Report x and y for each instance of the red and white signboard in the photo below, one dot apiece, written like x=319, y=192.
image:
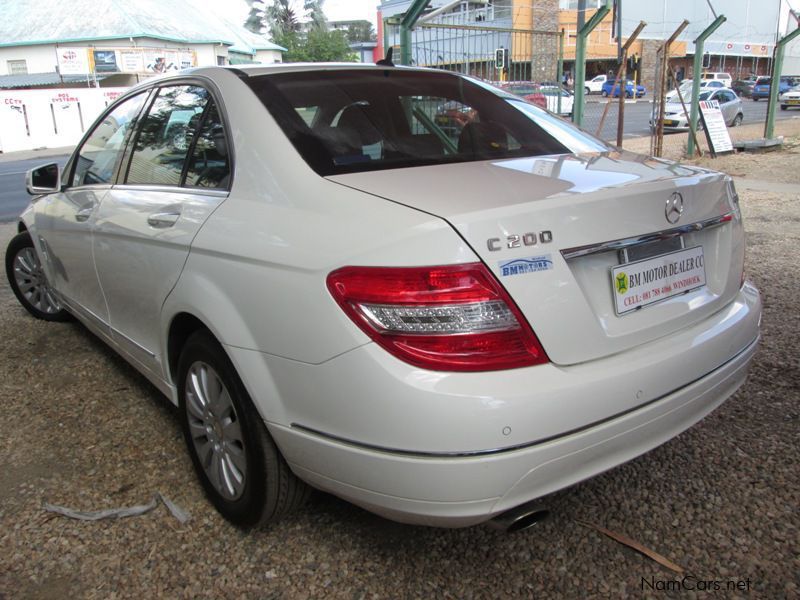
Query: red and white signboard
x=73, y=61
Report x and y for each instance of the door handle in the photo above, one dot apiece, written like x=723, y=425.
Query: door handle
x=84, y=213
x=162, y=220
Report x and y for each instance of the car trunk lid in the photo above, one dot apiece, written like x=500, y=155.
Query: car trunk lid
x=569, y=217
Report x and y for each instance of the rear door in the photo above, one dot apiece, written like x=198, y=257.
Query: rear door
x=728, y=104
x=176, y=175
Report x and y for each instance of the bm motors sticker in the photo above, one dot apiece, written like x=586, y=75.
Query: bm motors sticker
x=522, y=266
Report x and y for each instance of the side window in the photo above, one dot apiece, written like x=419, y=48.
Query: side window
x=97, y=158
x=209, y=163
x=165, y=135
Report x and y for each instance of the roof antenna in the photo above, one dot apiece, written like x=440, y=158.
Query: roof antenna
x=387, y=61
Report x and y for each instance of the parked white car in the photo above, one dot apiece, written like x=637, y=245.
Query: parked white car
x=441, y=324
x=790, y=99
x=595, y=84
x=724, y=78
x=686, y=90
x=552, y=93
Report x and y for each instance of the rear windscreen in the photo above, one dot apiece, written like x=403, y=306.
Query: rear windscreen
x=346, y=121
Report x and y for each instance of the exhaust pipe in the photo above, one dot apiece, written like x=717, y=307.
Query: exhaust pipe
x=520, y=517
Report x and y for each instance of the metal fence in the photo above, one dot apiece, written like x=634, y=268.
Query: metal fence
x=526, y=55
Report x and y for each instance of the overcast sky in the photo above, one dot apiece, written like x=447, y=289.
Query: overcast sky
x=335, y=10
x=344, y=10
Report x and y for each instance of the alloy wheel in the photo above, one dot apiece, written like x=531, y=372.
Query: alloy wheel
x=32, y=283
x=215, y=430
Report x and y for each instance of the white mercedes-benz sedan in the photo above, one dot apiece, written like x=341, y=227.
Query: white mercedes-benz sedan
x=401, y=286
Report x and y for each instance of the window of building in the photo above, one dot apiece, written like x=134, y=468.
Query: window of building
x=221, y=61
x=17, y=67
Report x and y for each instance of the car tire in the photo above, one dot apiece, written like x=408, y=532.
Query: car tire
x=737, y=120
x=755, y=98
x=604, y=94
x=239, y=466
x=784, y=106
x=587, y=91
x=28, y=281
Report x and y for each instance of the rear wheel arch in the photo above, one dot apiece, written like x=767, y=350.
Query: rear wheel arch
x=21, y=227
x=181, y=328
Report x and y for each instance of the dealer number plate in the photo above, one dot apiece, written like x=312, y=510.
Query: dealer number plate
x=793, y=102
x=644, y=282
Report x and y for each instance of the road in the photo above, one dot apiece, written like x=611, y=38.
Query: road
x=13, y=197
x=637, y=116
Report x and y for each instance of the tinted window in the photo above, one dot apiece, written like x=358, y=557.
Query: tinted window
x=209, y=164
x=389, y=118
x=165, y=136
x=98, y=157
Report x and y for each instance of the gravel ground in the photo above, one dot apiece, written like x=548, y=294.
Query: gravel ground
x=82, y=429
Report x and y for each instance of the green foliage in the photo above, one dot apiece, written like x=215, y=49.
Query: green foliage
x=281, y=18
x=255, y=18
x=361, y=31
x=318, y=45
x=314, y=11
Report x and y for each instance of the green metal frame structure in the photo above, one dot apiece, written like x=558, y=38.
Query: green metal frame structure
x=775, y=84
x=580, y=60
x=409, y=19
x=697, y=70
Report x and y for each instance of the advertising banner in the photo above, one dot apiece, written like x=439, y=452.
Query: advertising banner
x=131, y=61
x=719, y=140
x=105, y=61
x=73, y=61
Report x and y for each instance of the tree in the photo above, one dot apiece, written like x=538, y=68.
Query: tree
x=314, y=11
x=281, y=18
x=361, y=31
x=318, y=45
x=255, y=18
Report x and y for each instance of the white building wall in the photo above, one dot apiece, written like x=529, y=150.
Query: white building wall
x=39, y=59
x=50, y=118
x=269, y=56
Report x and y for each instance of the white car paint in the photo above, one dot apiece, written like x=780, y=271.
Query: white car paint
x=790, y=98
x=595, y=84
x=412, y=444
x=551, y=94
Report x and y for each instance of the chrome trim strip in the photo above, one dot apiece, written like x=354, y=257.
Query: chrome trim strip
x=494, y=451
x=173, y=189
x=578, y=251
x=132, y=342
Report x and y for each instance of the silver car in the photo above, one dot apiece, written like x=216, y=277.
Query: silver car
x=676, y=119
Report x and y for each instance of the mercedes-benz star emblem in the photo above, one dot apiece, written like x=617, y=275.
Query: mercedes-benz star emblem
x=674, y=208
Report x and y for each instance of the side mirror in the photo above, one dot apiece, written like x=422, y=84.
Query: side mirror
x=43, y=180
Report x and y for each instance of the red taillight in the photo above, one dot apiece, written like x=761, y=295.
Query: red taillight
x=448, y=318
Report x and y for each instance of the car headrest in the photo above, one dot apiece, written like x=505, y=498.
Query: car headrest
x=483, y=139
x=361, y=119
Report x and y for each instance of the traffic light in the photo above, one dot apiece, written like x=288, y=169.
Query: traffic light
x=501, y=58
x=706, y=61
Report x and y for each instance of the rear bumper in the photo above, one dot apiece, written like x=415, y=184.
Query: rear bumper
x=404, y=487
x=457, y=449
